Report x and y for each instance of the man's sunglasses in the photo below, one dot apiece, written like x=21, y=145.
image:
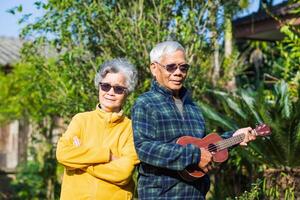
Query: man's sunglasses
x=117, y=89
x=173, y=67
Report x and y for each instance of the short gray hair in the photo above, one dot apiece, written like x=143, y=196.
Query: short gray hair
x=115, y=66
x=163, y=48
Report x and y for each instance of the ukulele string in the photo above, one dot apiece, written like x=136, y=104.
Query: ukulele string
x=225, y=143
x=212, y=149
x=232, y=141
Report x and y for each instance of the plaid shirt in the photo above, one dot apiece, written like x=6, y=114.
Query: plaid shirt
x=157, y=124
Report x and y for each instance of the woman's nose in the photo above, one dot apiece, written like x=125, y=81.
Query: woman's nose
x=111, y=91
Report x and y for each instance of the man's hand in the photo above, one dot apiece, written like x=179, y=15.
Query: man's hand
x=249, y=136
x=205, y=161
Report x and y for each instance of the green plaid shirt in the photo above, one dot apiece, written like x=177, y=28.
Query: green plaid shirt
x=157, y=124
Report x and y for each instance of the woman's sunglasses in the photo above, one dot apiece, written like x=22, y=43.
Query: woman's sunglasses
x=117, y=89
x=173, y=67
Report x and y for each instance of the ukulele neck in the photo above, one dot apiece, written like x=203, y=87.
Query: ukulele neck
x=226, y=143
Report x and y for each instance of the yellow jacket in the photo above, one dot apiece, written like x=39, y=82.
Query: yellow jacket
x=88, y=172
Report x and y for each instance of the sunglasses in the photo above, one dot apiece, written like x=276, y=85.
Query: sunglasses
x=173, y=67
x=117, y=89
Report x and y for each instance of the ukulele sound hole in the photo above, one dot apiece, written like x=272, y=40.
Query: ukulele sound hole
x=212, y=148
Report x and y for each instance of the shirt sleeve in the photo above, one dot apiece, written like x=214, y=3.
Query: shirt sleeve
x=155, y=152
x=81, y=156
x=227, y=134
x=118, y=171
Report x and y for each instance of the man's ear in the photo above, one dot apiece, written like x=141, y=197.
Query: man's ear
x=153, y=68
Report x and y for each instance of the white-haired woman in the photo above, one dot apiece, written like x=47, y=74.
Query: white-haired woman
x=97, y=149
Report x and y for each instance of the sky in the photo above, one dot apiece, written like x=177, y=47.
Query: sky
x=9, y=23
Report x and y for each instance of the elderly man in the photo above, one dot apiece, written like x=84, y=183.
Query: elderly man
x=162, y=115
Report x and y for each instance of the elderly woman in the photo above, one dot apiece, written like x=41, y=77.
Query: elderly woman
x=97, y=149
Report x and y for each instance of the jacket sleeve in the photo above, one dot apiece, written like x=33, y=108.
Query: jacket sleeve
x=118, y=171
x=152, y=150
x=73, y=156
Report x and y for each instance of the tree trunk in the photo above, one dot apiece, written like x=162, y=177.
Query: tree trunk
x=213, y=8
x=50, y=157
x=228, y=35
x=23, y=140
x=231, y=84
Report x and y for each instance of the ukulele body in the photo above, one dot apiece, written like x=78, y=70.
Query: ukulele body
x=193, y=172
x=218, y=148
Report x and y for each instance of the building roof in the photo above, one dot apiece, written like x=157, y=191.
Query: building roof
x=262, y=25
x=9, y=50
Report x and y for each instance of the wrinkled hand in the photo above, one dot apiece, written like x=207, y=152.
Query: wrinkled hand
x=205, y=162
x=249, y=135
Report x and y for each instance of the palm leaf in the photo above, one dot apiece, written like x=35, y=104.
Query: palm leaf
x=233, y=105
x=283, y=98
x=211, y=114
x=273, y=107
x=250, y=103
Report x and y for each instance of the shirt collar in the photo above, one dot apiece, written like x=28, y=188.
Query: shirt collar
x=183, y=93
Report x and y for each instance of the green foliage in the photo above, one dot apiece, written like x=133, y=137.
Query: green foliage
x=71, y=40
x=30, y=177
x=30, y=181
x=277, y=108
x=289, y=49
x=288, y=64
x=270, y=62
x=274, y=107
x=255, y=193
x=259, y=191
x=274, y=192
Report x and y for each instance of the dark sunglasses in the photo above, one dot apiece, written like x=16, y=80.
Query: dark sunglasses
x=117, y=89
x=173, y=67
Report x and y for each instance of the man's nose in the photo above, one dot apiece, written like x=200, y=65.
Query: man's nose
x=178, y=72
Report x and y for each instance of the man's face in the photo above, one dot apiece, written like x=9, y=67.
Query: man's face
x=170, y=80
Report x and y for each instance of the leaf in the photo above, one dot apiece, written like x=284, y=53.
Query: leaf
x=250, y=102
x=283, y=98
x=231, y=103
x=243, y=3
x=20, y=8
x=211, y=114
x=12, y=10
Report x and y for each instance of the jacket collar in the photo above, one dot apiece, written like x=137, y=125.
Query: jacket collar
x=110, y=117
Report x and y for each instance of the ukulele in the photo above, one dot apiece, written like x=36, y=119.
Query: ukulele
x=217, y=146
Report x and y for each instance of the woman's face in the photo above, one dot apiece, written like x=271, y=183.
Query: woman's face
x=111, y=98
